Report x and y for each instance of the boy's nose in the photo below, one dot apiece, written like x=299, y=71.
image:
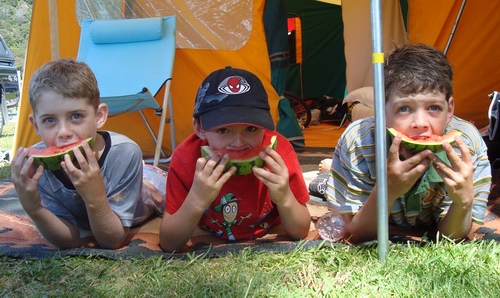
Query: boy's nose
x=238, y=140
x=64, y=131
x=420, y=120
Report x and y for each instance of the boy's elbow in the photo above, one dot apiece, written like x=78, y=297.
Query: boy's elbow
x=299, y=236
x=299, y=233
x=117, y=245
x=168, y=247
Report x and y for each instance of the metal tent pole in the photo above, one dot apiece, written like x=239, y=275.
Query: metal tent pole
x=454, y=27
x=380, y=131
x=54, y=30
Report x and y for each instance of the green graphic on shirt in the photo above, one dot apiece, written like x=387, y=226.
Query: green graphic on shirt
x=228, y=205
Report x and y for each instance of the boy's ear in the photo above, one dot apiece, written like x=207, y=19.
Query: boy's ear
x=32, y=119
x=101, y=115
x=451, y=108
x=198, y=130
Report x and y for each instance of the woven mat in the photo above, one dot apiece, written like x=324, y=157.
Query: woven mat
x=19, y=237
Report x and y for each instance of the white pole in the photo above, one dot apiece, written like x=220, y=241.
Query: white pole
x=380, y=131
x=54, y=30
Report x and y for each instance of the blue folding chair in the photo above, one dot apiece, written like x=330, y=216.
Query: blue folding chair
x=132, y=60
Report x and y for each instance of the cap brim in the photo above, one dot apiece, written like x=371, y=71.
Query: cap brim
x=236, y=115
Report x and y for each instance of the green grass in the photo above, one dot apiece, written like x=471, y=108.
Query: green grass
x=6, y=140
x=441, y=269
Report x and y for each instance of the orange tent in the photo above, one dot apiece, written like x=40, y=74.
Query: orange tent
x=467, y=32
x=191, y=65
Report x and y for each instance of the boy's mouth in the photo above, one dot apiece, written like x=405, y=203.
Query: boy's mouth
x=243, y=148
x=420, y=138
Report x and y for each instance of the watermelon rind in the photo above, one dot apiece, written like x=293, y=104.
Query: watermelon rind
x=420, y=145
x=243, y=167
x=53, y=162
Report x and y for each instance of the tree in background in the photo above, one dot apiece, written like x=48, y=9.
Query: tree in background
x=15, y=18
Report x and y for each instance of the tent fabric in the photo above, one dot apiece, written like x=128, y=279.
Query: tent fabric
x=275, y=24
x=323, y=63
x=191, y=66
x=358, y=39
x=473, y=52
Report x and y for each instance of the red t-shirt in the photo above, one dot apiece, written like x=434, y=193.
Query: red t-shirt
x=243, y=209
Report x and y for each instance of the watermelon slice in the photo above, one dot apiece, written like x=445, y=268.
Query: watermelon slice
x=50, y=158
x=420, y=143
x=243, y=160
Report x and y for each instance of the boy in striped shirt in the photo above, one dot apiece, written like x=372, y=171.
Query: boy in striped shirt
x=444, y=191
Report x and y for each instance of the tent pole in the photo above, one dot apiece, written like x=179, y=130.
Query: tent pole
x=54, y=30
x=380, y=131
x=454, y=27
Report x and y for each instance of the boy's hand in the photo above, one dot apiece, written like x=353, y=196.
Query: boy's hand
x=209, y=177
x=402, y=174
x=274, y=175
x=458, y=176
x=86, y=178
x=25, y=177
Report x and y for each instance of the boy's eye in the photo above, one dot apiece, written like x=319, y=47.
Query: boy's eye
x=434, y=108
x=404, y=109
x=76, y=116
x=251, y=128
x=222, y=130
x=49, y=120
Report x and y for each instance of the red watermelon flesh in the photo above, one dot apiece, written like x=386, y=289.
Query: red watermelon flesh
x=420, y=143
x=51, y=157
x=243, y=160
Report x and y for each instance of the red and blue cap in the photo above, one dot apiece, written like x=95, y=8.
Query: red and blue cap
x=232, y=96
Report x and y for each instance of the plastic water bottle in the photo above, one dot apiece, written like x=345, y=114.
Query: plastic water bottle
x=331, y=226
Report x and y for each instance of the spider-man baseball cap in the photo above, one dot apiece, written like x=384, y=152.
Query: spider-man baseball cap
x=232, y=96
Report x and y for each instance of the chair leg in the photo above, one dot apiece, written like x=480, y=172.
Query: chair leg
x=344, y=119
x=172, y=133
x=150, y=130
x=163, y=118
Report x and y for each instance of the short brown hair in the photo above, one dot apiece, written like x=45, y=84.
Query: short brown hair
x=417, y=68
x=67, y=77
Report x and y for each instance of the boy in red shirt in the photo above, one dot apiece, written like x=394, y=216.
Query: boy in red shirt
x=232, y=114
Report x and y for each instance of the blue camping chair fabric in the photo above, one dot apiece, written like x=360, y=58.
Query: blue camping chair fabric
x=132, y=60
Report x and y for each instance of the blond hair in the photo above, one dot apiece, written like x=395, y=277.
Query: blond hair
x=66, y=77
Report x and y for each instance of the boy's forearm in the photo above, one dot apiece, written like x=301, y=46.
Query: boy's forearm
x=456, y=224
x=295, y=217
x=176, y=229
x=363, y=225
x=55, y=230
x=106, y=226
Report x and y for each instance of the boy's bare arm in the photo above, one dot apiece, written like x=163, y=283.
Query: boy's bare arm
x=57, y=231
x=25, y=178
x=106, y=226
x=177, y=228
x=458, y=179
x=295, y=217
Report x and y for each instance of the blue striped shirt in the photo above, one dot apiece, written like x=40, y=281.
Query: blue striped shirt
x=353, y=176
